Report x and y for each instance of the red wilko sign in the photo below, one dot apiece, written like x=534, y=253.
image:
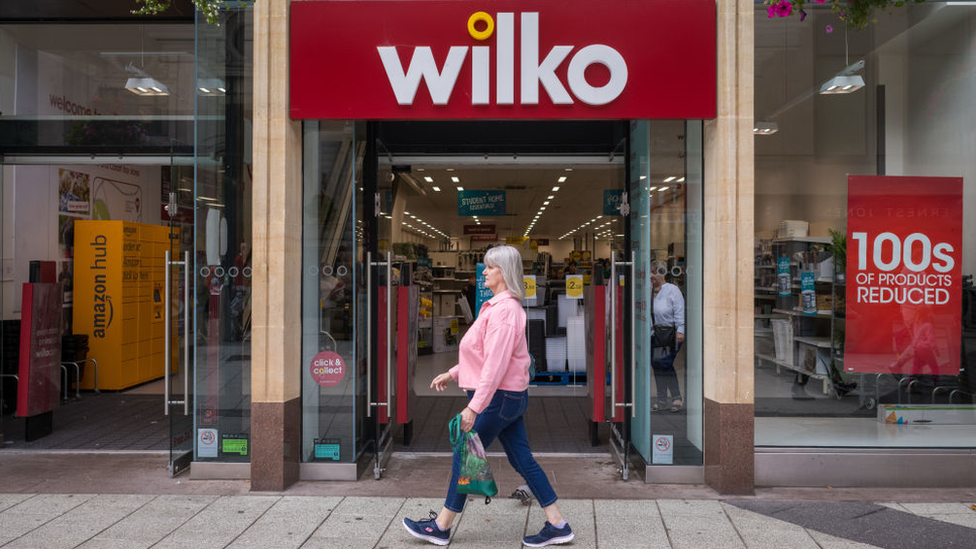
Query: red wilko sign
x=613, y=59
x=904, y=275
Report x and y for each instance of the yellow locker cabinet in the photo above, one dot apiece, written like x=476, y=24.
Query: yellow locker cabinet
x=119, y=300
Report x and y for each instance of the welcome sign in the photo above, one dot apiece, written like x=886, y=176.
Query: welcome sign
x=481, y=203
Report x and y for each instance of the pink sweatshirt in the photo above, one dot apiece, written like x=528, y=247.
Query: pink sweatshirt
x=493, y=354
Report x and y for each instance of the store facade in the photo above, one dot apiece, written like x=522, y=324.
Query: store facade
x=298, y=192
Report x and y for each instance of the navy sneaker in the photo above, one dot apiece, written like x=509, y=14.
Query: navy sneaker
x=428, y=530
x=550, y=535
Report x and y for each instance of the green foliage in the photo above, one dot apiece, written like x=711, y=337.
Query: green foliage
x=209, y=8
x=855, y=13
x=838, y=247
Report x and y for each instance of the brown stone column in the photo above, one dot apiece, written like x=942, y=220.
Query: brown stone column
x=729, y=428
x=276, y=259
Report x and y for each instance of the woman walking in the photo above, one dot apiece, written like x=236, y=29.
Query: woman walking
x=493, y=368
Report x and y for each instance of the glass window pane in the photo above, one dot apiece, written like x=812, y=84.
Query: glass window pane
x=843, y=359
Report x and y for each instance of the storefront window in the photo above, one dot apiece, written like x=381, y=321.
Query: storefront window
x=331, y=295
x=864, y=327
x=222, y=261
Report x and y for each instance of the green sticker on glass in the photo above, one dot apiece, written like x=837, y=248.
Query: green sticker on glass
x=234, y=444
x=327, y=448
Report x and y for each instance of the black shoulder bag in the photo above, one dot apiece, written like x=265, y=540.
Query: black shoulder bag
x=662, y=336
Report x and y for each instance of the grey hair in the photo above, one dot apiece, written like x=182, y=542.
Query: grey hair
x=509, y=260
x=658, y=265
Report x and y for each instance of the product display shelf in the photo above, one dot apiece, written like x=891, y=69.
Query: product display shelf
x=807, y=338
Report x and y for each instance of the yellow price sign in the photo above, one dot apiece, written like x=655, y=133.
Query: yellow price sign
x=574, y=286
x=454, y=327
x=529, y=283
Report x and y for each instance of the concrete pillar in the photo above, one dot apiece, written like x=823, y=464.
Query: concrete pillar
x=276, y=259
x=728, y=259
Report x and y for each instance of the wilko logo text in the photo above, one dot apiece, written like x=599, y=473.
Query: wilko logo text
x=482, y=28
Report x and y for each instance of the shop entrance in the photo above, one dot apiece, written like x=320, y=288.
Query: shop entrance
x=123, y=300
x=434, y=197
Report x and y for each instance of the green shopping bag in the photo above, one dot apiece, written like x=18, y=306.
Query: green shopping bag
x=475, y=474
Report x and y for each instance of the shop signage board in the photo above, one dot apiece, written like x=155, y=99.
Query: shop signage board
x=481, y=203
x=904, y=275
x=574, y=286
x=503, y=59
x=529, y=283
x=207, y=443
x=482, y=293
x=327, y=369
x=39, y=368
x=484, y=238
x=479, y=229
x=611, y=201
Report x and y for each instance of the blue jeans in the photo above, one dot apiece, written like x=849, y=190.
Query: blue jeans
x=665, y=376
x=502, y=419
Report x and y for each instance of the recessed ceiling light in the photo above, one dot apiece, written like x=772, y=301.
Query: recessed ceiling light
x=460, y=188
x=406, y=213
x=555, y=189
x=643, y=177
x=551, y=197
x=420, y=169
x=670, y=178
x=569, y=169
x=546, y=203
x=680, y=179
x=428, y=179
x=662, y=189
x=436, y=189
x=455, y=179
x=542, y=208
x=413, y=217
x=562, y=179
x=651, y=189
x=450, y=169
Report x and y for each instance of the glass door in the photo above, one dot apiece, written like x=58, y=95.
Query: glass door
x=381, y=278
x=638, y=183
x=178, y=367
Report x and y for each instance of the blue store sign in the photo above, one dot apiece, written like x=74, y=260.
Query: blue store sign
x=611, y=201
x=481, y=203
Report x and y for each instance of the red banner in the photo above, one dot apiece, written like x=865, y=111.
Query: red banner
x=40, y=349
x=479, y=229
x=484, y=238
x=904, y=275
x=503, y=59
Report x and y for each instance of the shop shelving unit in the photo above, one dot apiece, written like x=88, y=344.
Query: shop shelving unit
x=810, y=339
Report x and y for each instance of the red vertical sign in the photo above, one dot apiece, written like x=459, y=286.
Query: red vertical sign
x=40, y=349
x=904, y=275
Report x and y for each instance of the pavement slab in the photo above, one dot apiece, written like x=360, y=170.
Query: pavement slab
x=867, y=523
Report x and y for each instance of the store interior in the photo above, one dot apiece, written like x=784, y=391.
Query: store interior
x=554, y=214
x=909, y=119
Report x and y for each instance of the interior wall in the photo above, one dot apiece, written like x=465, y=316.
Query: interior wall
x=37, y=220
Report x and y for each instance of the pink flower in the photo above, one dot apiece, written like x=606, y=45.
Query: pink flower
x=784, y=8
x=829, y=28
x=771, y=10
x=820, y=1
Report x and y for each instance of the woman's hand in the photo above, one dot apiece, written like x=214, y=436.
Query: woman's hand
x=680, y=338
x=467, y=419
x=440, y=382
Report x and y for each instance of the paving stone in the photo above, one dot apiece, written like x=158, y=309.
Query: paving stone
x=762, y=532
x=49, y=504
x=288, y=523
x=931, y=509
x=499, y=522
x=9, y=500
x=219, y=523
x=826, y=541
